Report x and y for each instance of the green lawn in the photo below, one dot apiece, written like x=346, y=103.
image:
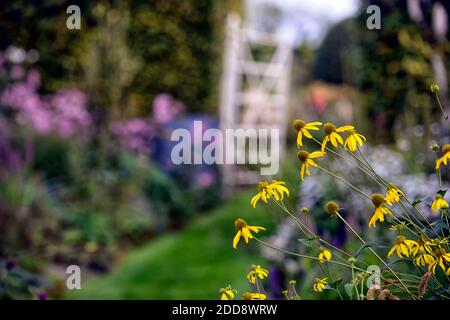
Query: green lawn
x=191, y=264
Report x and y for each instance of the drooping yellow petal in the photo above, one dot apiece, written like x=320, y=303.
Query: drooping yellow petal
x=316, y=154
x=345, y=128
x=236, y=239
x=299, y=139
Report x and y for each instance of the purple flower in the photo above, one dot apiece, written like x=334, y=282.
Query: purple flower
x=17, y=72
x=166, y=108
x=206, y=179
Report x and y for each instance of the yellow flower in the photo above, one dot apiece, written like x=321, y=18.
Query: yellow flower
x=440, y=256
x=303, y=128
x=227, y=293
x=353, y=139
x=320, y=284
x=244, y=230
x=439, y=203
x=306, y=160
x=257, y=271
x=267, y=190
x=445, y=156
x=424, y=259
x=402, y=247
x=254, y=296
x=380, y=209
x=332, y=134
x=423, y=245
x=393, y=195
x=324, y=255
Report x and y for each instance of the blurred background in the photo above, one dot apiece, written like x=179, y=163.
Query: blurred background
x=86, y=116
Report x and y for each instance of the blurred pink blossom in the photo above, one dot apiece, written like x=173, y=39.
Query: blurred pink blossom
x=166, y=108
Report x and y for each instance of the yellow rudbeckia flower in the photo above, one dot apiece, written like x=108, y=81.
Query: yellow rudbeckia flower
x=353, y=140
x=380, y=209
x=423, y=245
x=306, y=160
x=393, y=195
x=440, y=256
x=324, y=255
x=445, y=156
x=424, y=259
x=244, y=230
x=332, y=134
x=303, y=128
x=257, y=271
x=254, y=296
x=439, y=203
x=267, y=190
x=402, y=247
x=320, y=284
x=227, y=293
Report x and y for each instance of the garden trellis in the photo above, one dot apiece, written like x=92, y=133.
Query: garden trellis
x=254, y=91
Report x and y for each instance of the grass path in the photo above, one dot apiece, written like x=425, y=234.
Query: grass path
x=191, y=264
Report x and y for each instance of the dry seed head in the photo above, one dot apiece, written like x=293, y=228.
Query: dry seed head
x=332, y=207
x=423, y=283
x=377, y=199
x=303, y=155
x=445, y=148
x=239, y=224
x=299, y=124
x=329, y=127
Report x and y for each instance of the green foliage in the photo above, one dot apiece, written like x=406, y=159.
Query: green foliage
x=192, y=264
x=395, y=70
x=126, y=52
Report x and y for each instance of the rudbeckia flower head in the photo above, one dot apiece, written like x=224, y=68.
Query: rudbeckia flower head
x=439, y=203
x=324, y=255
x=266, y=190
x=380, y=209
x=227, y=293
x=440, y=258
x=244, y=230
x=402, y=247
x=445, y=156
x=320, y=284
x=332, y=134
x=256, y=271
x=393, y=195
x=306, y=159
x=303, y=130
x=353, y=140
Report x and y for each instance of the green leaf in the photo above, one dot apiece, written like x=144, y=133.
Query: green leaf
x=348, y=290
x=336, y=283
x=366, y=245
x=442, y=192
